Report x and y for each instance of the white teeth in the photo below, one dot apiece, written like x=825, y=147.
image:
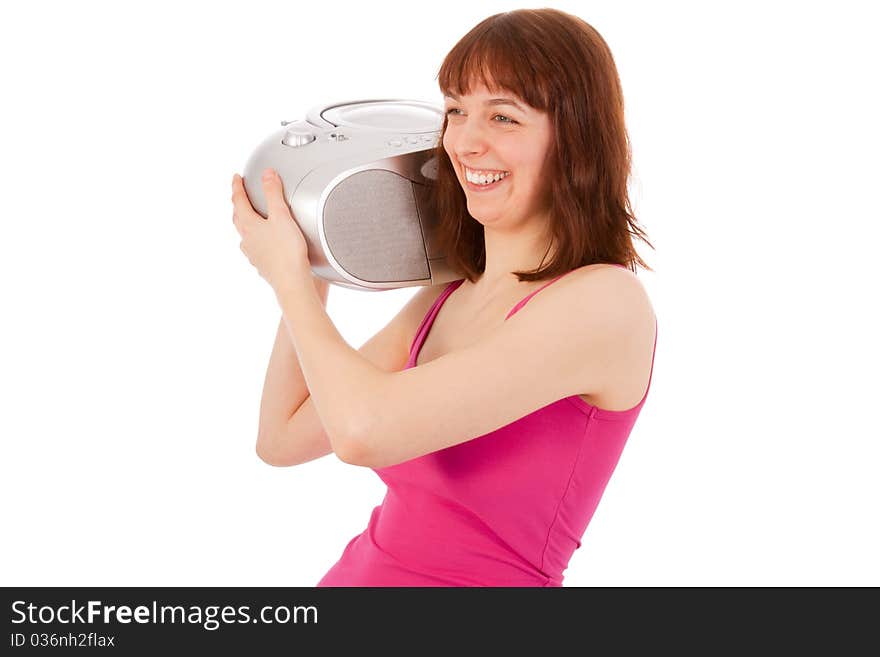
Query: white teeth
x=483, y=178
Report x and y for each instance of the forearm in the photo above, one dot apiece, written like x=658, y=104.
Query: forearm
x=284, y=388
x=342, y=383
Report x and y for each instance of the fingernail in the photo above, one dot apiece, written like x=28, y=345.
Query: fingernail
x=268, y=174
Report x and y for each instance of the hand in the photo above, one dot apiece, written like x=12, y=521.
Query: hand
x=274, y=245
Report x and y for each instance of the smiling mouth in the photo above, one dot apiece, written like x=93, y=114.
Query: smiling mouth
x=484, y=187
x=479, y=183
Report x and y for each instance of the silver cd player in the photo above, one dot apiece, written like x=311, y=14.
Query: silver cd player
x=355, y=176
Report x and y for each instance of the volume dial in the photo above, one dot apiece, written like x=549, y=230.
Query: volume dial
x=298, y=137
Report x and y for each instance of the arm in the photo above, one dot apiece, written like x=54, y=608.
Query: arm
x=341, y=382
x=571, y=339
x=285, y=392
x=277, y=248
x=302, y=437
x=587, y=330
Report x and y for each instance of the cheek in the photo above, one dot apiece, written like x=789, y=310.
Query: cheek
x=447, y=144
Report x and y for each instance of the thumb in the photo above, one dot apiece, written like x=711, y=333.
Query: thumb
x=274, y=191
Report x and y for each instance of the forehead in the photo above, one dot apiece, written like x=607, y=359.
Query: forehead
x=481, y=95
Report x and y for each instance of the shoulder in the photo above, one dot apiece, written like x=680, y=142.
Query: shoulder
x=605, y=285
x=601, y=299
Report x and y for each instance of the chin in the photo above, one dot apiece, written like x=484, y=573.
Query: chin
x=485, y=217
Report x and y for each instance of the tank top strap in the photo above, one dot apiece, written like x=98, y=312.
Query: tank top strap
x=531, y=294
x=550, y=282
x=428, y=319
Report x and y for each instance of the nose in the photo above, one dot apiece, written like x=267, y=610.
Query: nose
x=468, y=139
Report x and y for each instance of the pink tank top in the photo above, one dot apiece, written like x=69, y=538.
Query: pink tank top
x=508, y=508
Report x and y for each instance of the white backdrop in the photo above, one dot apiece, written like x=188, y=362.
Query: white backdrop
x=136, y=334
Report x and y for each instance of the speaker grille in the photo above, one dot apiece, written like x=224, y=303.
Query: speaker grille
x=371, y=224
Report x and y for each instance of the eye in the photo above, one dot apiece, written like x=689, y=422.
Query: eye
x=507, y=118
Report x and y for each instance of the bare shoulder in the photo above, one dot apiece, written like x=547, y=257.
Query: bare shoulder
x=603, y=294
x=608, y=326
x=611, y=283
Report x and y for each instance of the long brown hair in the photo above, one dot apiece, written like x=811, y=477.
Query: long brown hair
x=559, y=64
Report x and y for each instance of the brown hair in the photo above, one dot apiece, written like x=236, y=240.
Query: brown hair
x=559, y=64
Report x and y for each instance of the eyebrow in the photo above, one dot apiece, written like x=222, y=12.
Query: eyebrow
x=495, y=101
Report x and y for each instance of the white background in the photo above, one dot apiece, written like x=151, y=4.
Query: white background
x=135, y=333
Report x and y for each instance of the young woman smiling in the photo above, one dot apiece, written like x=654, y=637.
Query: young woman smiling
x=494, y=408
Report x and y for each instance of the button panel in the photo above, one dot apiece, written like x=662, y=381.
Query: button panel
x=397, y=142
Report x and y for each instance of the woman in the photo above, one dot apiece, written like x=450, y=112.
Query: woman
x=495, y=438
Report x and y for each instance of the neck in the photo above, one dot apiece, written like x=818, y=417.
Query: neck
x=506, y=253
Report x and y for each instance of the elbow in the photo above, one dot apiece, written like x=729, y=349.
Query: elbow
x=270, y=455
x=354, y=449
x=353, y=452
x=260, y=449
x=267, y=457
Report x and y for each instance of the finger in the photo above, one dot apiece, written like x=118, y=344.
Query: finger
x=242, y=207
x=274, y=190
x=244, y=250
